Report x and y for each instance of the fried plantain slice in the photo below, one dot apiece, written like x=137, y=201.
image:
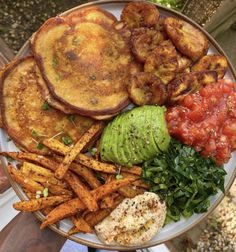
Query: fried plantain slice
x=92, y=14
x=163, y=62
x=189, y=83
x=189, y=40
x=86, y=66
x=140, y=14
x=146, y=88
x=144, y=41
x=217, y=63
x=26, y=118
x=183, y=62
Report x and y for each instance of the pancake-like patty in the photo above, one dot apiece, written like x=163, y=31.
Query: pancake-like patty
x=85, y=65
x=92, y=14
x=26, y=118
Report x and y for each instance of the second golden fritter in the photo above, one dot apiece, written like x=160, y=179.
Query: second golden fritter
x=146, y=88
x=144, y=41
x=140, y=14
x=217, y=63
x=190, y=41
x=163, y=62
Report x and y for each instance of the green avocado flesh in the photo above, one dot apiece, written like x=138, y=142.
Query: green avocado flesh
x=135, y=136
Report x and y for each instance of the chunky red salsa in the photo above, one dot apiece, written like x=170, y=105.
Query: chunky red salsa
x=206, y=120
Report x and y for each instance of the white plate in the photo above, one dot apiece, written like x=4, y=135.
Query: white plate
x=172, y=230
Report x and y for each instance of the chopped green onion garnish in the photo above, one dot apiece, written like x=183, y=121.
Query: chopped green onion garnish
x=67, y=140
x=45, y=106
x=40, y=146
x=119, y=176
x=45, y=192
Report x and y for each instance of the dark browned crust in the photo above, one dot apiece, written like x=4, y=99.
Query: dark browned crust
x=148, y=14
x=173, y=27
x=39, y=60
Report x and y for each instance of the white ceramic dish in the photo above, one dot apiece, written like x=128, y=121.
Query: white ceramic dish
x=172, y=230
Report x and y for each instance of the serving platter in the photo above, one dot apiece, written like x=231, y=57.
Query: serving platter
x=172, y=230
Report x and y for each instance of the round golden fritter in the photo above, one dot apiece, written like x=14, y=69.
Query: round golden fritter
x=140, y=14
x=144, y=41
x=217, y=63
x=163, y=62
x=147, y=89
x=26, y=117
x=190, y=41
x=86, y=66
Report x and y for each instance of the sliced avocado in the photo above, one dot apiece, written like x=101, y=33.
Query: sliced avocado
x=135, y=136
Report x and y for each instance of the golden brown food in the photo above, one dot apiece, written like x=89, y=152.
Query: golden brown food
x=25, y=182
x=38, y=204
x=217, y=63
x=144, y=41
x=188, y=83
x=85, y=65
x=183, y=62
x=86, y=138
x=188, y=40
x=72, y=207
x=81, y=225
x=26, y=117
x=146, y=88
x=139, y=14
x=81, y=191
x=91, y=14
x=163, y=62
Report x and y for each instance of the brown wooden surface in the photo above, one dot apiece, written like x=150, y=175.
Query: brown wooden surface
x=23, y=235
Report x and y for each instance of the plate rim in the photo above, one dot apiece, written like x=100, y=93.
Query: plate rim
x=22, y=52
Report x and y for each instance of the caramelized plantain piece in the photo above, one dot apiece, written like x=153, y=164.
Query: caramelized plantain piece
x=144, y=41
x=140, y=14
x=163, y=62
x=217, y=63
x=188, y=40
x=189, y=83
x=183, y=62
x=146, y=88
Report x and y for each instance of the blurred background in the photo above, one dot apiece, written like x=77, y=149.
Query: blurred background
x=19, y=19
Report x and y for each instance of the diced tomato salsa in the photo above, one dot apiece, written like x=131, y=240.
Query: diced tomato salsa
x=206, y=120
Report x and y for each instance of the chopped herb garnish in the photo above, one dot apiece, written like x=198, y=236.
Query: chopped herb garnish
x=54, y=62
x=40, y=146
x=45, y=106
x=100, y=177
x=9, y=159
x=45, y=192
x=71, y=118
x=67, y=140
x=92, y=151
x=8, y=139
x=34, y=133
x=92, y=77
x=119, y=176
x=183, y=179
x=75, y=41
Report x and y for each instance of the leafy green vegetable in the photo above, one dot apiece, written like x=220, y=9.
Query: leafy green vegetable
x=40, y=146
x=34, y=133
x=183, y=179
x=67, y=140
x=45, y=106
x=173, y=4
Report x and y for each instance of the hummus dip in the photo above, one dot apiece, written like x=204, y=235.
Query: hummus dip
x=134, y=222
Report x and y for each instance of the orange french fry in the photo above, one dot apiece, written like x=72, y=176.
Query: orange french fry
x=77, y=148
x=75, y=205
